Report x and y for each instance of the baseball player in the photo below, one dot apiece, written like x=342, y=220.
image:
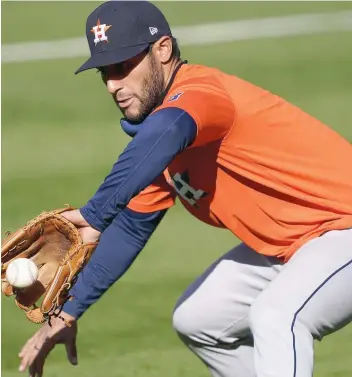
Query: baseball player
x=237, y=157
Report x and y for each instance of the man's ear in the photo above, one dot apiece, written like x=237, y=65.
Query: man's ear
x=163, y=49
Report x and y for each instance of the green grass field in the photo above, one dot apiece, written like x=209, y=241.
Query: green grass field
x=61, y=134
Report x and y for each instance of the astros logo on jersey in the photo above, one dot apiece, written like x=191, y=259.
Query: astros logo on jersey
x=99, y=31
x=181, y=183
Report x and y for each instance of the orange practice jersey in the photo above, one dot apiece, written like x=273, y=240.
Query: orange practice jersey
x=259, y=166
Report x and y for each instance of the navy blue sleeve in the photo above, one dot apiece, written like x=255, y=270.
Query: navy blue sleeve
x=160, y=138
x=118, y=247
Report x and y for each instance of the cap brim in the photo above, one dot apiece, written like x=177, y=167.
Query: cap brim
x=106, y=58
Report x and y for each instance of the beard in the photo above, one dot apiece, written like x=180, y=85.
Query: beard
x=152, y=92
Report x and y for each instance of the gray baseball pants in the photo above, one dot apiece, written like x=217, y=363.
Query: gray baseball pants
x=249, y=315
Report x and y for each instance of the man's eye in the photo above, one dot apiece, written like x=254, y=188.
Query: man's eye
x=120, y=69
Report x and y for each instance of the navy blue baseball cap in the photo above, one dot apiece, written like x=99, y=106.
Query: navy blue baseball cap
x=119, y=30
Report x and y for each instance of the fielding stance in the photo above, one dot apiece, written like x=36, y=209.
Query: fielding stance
x=237, y=157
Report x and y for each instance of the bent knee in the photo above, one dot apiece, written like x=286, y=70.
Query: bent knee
x=195, y=325
x=210, y=324
x=185, y=321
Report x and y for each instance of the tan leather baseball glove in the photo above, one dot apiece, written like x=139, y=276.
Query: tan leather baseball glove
x=55, y=245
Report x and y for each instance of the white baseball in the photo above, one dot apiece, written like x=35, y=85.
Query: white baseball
x=21, y=273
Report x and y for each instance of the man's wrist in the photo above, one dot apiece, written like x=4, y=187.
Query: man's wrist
x=68, y=317
x=62, y=320
x=72, y=309
x=91, y=219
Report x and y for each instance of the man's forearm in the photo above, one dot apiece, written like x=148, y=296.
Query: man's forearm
x=118, y=247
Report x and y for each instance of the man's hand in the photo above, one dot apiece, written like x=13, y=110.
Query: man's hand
x=88, y=233
x=37, y=348
x=75, y=217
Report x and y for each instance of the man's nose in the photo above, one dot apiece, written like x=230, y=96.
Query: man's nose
x=114, y=85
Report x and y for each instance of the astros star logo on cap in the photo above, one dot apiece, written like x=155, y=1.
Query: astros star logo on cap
x=99, y=31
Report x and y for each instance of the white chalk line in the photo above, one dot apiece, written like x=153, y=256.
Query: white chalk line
x=204, y=34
